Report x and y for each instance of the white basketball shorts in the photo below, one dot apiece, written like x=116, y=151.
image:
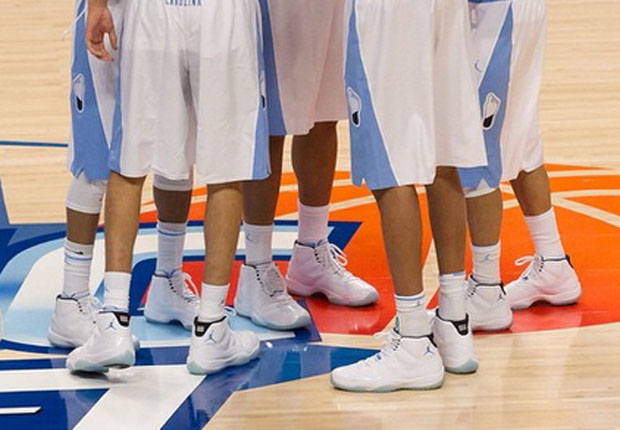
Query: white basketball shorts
x=192, y=92
x=411, y=92
x=304, y=63
x=92, y=99
x=509, y=39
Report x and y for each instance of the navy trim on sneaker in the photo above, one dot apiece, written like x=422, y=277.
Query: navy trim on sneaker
x=200, y=327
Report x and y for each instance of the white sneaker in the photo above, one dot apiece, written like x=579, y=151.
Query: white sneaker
x=455, y=344
x=73, y=321
x=404, y=363
x=172, y=299
x=551, y=280
x=320, y=268
x=215, y=347
x=262, y=296
x=109, y=346
x=487, y=306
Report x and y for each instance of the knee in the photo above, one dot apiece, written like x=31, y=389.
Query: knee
x=86, y=196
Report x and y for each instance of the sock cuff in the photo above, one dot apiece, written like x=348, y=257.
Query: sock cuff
x=450, y=277
x=171, y=227
x=257, y=228
x=404, y=303
x=117, y=276
x=312, y=210
x=487, y=249
x=205, y=285
x=79, y=248
x=542, y=217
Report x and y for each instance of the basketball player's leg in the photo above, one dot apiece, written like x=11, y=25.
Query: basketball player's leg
x=459, y=143
x=390, y=167
x=172, y=295
x=73, y=316
x=448, y=221
x=214, y=345
x=314, y=162
x=550, y=276
x=262, y=292
x=409, y=359
x=260, y=198
x=487, y=304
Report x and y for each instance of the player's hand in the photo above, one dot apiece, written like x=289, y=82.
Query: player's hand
x=98, y=24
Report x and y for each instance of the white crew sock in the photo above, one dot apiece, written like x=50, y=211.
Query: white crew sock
x=486, y=264
x=78, y=260
x=170, y=246
x=212, y=302
x=544, y=231
x=116, y=296
x=452, y=296
x=312, y=223
x=412, y=318
x=257, y=243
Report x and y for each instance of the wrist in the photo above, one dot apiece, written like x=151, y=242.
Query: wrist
x=97, y=4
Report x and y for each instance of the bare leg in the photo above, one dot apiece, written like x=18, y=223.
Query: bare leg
x=533, y=192
x=222, y=221
x=172, y=206
x=402, y=234
x=448, y=220
x=81, y=227
x=484, y=214
x=260, y=198
x=314, y=161
x=122, y=212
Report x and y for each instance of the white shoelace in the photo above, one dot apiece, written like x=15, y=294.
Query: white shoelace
x=337, y=261
x=388, y=348
x=535, y=265
x=89, y=305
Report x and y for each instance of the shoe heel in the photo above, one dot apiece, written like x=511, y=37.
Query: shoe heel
x=471, y=366
x=567, y=298
x=60, y=341
x=154, y=316
x=123, y=361
x=241, y=308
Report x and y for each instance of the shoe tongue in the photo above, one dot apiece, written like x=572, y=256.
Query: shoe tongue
x=273, y=280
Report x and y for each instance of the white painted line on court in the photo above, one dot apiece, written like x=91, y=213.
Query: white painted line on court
x=20, y=411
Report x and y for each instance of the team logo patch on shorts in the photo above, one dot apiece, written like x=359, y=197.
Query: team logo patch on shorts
x=79, y=92
x=263, y=90
x=492, y=105
x=355, y=107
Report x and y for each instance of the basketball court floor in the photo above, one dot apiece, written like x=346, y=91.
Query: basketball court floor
x=558, y=368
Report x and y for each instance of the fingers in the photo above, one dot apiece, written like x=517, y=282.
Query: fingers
x=113, y=39
x=97, y=48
